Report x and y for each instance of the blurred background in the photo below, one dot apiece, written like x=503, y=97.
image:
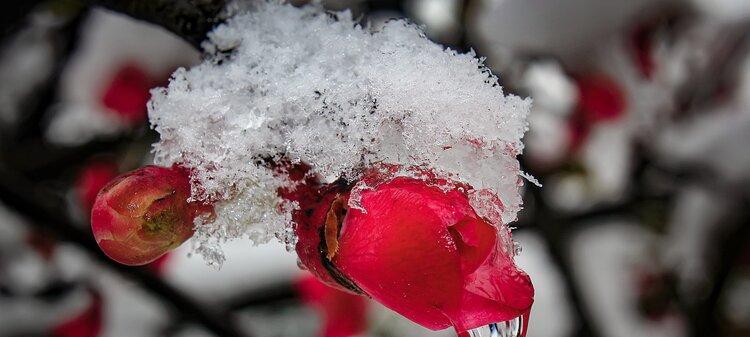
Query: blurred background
x=640, y=134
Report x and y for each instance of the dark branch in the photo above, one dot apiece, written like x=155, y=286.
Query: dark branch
x=35, y=107
x=553, y=232
x=188, y=19
x=734, y=242
x=280, y=292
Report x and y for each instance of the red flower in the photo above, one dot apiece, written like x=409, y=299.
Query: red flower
x=344, y=314
x=127, y=94
x=653, y=293
x=642, y=48
x=86, y=324
x=42, y=243
x=159, y=266
x=600, y=99
x=418, y=247
x=91, y=179
x=143, y=214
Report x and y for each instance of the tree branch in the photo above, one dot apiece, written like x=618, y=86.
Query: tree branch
x=13, y=14
x=188, y=19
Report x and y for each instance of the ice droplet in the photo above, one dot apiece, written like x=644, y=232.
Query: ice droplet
x=517, y=248
x=509, y=328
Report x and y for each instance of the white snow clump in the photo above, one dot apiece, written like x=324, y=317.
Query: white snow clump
x=317, y=87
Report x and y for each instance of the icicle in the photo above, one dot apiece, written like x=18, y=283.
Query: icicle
x=509, y=328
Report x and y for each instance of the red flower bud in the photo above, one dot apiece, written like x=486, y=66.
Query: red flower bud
x=86, y=324
x=161, y=264
x=128, y=94
x=418, y=247
x=91, y=179
x=344, y=314
x=42, y=243
x=642, y=48
x=143, y=214
x=600, y=99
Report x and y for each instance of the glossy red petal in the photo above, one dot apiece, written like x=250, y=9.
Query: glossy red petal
x=419, y=249
x=401, y=252
x=475, y=239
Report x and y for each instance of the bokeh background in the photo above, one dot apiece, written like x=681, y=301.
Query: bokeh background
x=640, y=136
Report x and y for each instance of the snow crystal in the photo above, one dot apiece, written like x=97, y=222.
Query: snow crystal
x=316, y=87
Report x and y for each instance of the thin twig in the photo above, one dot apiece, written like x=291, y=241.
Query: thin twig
x=554, y=233
x=279, y=292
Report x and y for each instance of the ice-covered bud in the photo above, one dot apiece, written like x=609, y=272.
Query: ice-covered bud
x=418, y=246
x=145, y=213
x=355, y=98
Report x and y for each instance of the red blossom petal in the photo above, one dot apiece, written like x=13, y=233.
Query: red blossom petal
x=474, y=239
x=43, y=243
x=159, y=266
x=642, y=44
x=127, y=94
x=344, y=314
x=433, y=248
x=86, y=324
x=401, y=253
x=600, y=98
x=92, y=178
x=421, y=251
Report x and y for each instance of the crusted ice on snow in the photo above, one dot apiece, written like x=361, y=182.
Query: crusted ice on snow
x=315, y=86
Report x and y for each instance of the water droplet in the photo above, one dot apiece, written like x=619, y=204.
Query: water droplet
x=301, y=265
x=517, y=249
x=509, y=328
